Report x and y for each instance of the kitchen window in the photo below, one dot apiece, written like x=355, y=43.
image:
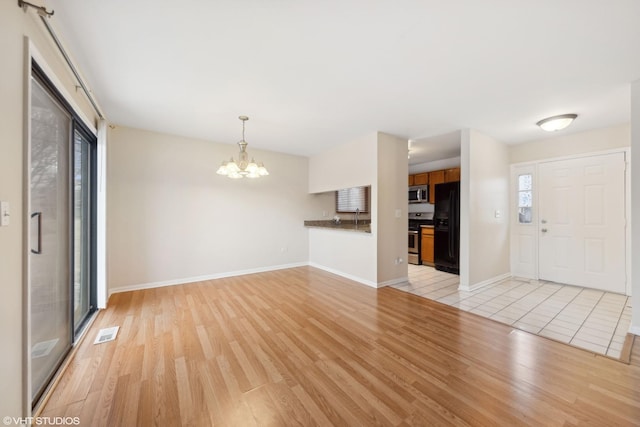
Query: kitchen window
x=525, y=198
x=350, y=200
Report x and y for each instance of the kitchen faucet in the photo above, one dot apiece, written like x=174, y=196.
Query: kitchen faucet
x=357, y=215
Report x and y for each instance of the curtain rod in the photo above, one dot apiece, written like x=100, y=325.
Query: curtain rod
x=44, y=15
x=71, y=66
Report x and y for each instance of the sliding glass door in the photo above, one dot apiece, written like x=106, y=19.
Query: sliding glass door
x=51, y=336
x=61, y=279
x=82, y=224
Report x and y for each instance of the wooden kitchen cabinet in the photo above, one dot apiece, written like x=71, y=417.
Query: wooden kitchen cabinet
x=435, y=177
x=421, y=179
x=427, y=245
x=452, y=175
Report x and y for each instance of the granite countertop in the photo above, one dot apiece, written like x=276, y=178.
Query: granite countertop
x=364, y=225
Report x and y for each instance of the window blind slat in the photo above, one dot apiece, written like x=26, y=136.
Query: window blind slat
x=348, y=200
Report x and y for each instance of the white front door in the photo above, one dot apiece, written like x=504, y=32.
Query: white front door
x=582, y=222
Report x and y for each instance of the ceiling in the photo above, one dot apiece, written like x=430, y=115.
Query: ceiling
x=311, y=75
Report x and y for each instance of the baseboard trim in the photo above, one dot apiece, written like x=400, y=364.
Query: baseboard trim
x=635, y=330
x=174, y=282
x=345, y=275
x=393, y=282
x=182, y=281
x=479, y=285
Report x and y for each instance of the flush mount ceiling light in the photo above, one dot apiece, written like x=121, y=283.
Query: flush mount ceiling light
x=244, y=167
x=552, y=124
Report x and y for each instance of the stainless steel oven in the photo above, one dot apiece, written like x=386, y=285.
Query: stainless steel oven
x=414, y=247
x=416, y=221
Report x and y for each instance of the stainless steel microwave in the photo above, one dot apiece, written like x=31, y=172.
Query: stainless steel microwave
x=419, y=194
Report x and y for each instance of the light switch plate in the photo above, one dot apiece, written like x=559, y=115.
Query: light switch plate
x=398, y=213
x=5, y=213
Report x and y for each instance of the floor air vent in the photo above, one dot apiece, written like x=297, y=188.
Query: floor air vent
x=107, y=334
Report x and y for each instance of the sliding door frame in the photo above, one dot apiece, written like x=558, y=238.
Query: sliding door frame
x=34, y=60
x=92, y=230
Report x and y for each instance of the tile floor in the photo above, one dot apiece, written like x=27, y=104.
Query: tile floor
x=585, y=318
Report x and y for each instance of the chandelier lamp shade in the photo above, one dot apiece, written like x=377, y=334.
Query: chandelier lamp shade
x=244, y=167
x=552, y=124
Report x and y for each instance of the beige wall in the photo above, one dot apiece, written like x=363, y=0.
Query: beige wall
x=635, y=206
x=14, y=26
x=349, y=254
x=392, y=199
x=171, y=218
x=570, y=145
x=484, y=239
x=378, y=160
x=352, y=164
x=452, y=162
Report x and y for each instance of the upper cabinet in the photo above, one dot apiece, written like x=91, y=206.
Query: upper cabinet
x=452, y=175
x=433, y=178
x=421, y=179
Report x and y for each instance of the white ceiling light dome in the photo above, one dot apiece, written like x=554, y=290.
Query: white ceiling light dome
x=555, y=123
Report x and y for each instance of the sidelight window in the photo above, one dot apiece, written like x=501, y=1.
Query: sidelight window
x=525, y=198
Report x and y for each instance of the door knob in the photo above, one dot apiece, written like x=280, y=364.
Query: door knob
x=544, y=230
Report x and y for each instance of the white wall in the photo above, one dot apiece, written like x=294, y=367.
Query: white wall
x=378, y=160
x=352, y=164
x=349, y=254
x=484, y=239
x=324, y=206
x=172, y=219
x=570, y=145
x=12, y=27
x=635, y=207
x=346, y=253
x=453, y=162
x=15, y=25
x=392, y=198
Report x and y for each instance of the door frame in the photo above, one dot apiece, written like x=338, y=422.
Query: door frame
x=533, y=167
x=33, y=55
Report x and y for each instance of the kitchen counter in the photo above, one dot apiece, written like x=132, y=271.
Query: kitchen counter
x=364, y=226
x=426, y=226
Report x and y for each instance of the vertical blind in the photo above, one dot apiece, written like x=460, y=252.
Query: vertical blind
x=348, y=200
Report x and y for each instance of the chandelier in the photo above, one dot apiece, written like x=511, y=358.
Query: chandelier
x=244, y=167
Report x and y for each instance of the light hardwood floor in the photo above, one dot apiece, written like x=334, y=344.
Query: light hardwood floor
x=305, y=347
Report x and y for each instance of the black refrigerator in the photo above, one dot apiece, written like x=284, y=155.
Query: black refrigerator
x=446, y=245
